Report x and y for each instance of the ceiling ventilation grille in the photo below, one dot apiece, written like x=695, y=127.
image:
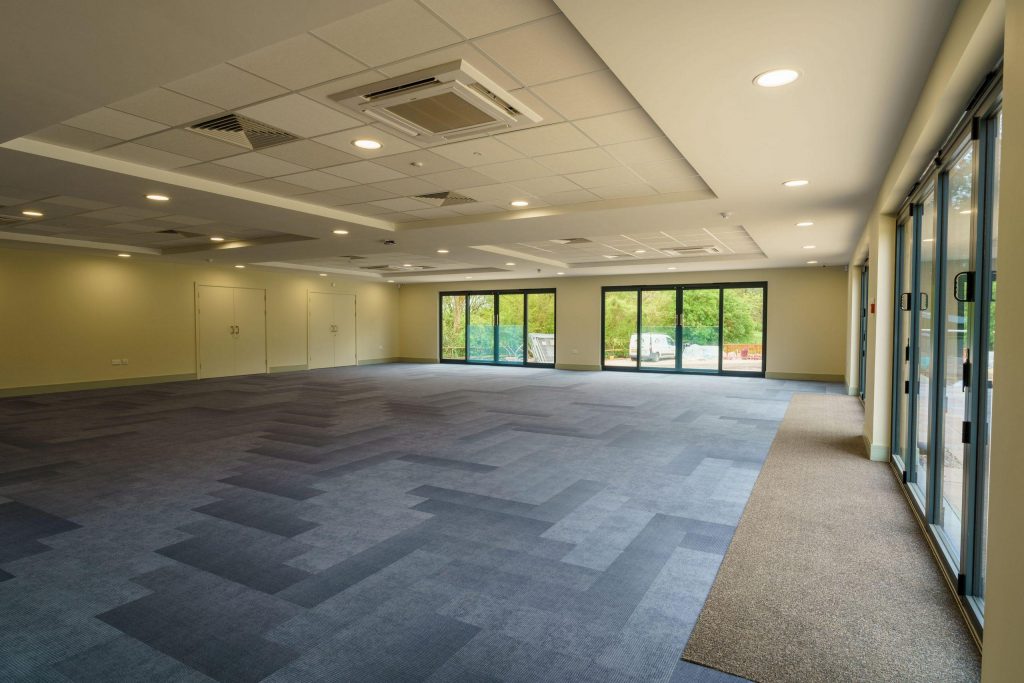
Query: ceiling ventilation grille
x=242, y=131
x=572, y=240
x=180, y=233
x=11, y=220
x=692, y=251
x=445, y=198
x=448, y=102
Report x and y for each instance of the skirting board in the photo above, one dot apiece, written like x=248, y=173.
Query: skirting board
x=97, y=384
x=875, y=451
x=804, y=377
x=287, y=368
x=583, y=368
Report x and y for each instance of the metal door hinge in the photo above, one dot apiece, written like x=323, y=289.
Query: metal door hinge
x=906, y=386
x=961, y=584
x=965, y=437
x=905, y=476
x=975, y=128
x=967, y=374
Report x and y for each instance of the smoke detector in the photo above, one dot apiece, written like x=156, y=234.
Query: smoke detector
x=447, y=102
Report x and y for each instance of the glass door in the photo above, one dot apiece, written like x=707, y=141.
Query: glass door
x=701, y=345
x=743, y=329
x=903, y=332
x=481, y=328
x=921, y=442
x=656, y=345
x=620, y=325
x=511, y=338
x=453, y=327
x=540, y=327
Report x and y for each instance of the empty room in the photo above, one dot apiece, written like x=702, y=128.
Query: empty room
x=511, y=340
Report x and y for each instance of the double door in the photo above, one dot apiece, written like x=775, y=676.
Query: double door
x=332, y=330
x=232, y=331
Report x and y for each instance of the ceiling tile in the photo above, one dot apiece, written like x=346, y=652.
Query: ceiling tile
x=184, y=220
x=191, y=144
x=500, y=194
x=692, y=184
x=570, y=197
x=669, y=170
x=421, y=162
x=408, y=186
x=557, y=137
x=300, y=115
x=226, y=86
x=623, y=191
x=433, y=213
x=453, y=53
x=364, y=172
x=220, y=174
x=487, y=16
x=577, y=162
x=517, y=169
x=75, y=138
x=274, y=186
x=477, y=152
x=542, y=51
x=167, y=107
x=299, y=62
x=462, y=177
x=389, y=32
x=539, y=106
x=546, y=186
x=640, y=151
x=592, y=94
x=77, y=202
x=367, y=209
x=316, y=180
x=398, y=218
x=360, y=194
x=260, y=164
x=308, y=153
x=619, y=175
x=146, y=156
x=115, y=123
x=476, y=209
x=392, y=144
x=623, y=126
x=400, y=204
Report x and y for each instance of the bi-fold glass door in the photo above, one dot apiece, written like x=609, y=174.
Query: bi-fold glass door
x=514, y=327
x=714, y=329
x=944, y=347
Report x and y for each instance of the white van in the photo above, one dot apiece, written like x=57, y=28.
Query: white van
x=653, y=347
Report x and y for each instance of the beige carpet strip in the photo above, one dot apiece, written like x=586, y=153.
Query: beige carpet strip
x=828, y=577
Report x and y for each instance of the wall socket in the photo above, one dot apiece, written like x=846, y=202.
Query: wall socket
x=119, y=361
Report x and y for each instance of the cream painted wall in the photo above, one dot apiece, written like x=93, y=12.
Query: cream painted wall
x=65, y=316
x=806, y=315
x=1003, y=658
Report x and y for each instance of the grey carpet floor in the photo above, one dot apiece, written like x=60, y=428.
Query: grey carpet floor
x=391, y=523
x=828, y=577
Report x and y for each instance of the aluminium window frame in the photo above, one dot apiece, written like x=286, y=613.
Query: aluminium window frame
x=496, y=296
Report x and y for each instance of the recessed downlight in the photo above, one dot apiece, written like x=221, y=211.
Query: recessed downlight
x=32, y=214
x=323, y=274
x=811, y=263
x=158, y=197
x=407, y=265
x=796, y=183
x=776, y=77
x=442, y=251
x=367, y=143
x=805, y=224
x=611, y=256
x=510, y=263
x=519, y=203
x=809, y=246
x=216, y=239
x=671, y=267
x=639, y=251
x=469, y=277
x=124, y=255
x=340, y=232
x=239, y=266
x=391, y=282
x=559, y=273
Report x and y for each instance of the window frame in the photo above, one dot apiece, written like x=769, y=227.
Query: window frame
x=496, y=296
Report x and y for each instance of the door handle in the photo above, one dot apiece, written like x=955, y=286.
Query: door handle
x=231, y=329
x=238, y=329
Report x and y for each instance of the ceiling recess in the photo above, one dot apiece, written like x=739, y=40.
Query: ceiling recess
x=242, y=131
x=445, y=198
x=448, y=102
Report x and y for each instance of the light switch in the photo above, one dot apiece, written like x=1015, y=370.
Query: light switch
x=115, y=361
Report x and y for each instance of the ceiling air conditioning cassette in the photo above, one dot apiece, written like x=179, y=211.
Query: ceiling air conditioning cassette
x=692, y=251
x=448, y=102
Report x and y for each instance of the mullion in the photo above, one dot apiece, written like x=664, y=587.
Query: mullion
x=938, y=362
x=679, y=328
x=721, y=328
x=910, y=447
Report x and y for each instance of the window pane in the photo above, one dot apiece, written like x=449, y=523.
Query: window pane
x=700, y=329
x=510, y=328
x=540, y=327
x=742, y=328
x=956, y=348
x=619, y=326
x=481, y=327
x=926, y=275
x=656, y=346
x=453, y=327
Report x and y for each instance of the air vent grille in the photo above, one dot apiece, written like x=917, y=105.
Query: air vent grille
x=445, y=198
x=180, y=233
x=242, y=131
x=404, y=87
x=692, y=251
x=572, y=240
